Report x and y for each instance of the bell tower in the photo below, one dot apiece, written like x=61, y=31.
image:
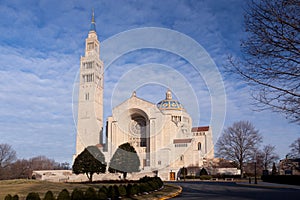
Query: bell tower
x=90, y=100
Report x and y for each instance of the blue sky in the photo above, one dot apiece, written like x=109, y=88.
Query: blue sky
x=40, y=47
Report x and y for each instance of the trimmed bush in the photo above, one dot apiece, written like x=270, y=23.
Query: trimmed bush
x=112, y=192
x=90, y=194
x=135, y=189
x=64, y=195
x=122, y=190
x=205, y=177
x=128, y=189
x=144, y=187
x=203, y=172
x=33, y=196
x=8, y=197
x=102, y=193
x=282, y=179
x=49, y=196
x=103, y=189
x=159, y=181
x=116, y=188
x=77, y=194
x=16, y=197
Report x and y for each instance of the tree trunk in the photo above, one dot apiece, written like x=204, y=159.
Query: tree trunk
x=242, y=169
x=90, y=176
x=124, y=175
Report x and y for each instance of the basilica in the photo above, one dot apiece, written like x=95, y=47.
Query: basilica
x=161, y=133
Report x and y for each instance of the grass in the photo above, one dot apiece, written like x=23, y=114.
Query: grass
x=22, y=187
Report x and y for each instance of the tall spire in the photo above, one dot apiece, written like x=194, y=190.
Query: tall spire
x=93, y=23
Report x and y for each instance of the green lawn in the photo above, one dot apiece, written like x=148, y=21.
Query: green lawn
x=23, y=187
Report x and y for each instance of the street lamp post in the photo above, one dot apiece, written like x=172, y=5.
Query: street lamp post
x=255, y=179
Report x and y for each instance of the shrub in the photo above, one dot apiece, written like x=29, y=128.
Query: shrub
x=102, y=196
x=153, y=184
x=64, y=195
x=205, y=177
x=122, y=190
x=135, y=189
x=103, y=189
x=8, y=197
x=102, y=193
x=112, y=193
x=159, y=181
x=128, y=190
x=90, y=194
x=116, y=189
x=15, y=197
x=33, y=196
x=203, y=172
x=282, y=179
x=144, y=187
x=49, y=196
x=77, y=194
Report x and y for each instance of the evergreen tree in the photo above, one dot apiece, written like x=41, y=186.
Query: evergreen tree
x=64, y=195
x=33, y=196
x=8, y=197
x=203, y=172
x=15, y=197
x=77, y=194
x=49, y=196
x=274, y=170
x=102, y=193
x=124, y=160
x=90, y=194
x=90, y=161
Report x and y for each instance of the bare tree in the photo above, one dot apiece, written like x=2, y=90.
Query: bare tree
x=7, y=155
x=271, y=56
x=295, y=149
x=43, y=163
x=269, y=156
x=238, y=143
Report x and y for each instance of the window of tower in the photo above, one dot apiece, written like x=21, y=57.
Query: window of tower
x=87, y=96
x=88, y=65
x=89, y=77
x=90, y=46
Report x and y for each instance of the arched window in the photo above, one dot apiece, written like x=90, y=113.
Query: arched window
x=199, y=146
x=181, y=158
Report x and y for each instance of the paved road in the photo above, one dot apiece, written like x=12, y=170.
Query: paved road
x=219, y=190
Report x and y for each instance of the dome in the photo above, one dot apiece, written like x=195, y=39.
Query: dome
x=169, y=103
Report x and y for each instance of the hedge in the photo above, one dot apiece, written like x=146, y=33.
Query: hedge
x=283, y=179
x=143, y=185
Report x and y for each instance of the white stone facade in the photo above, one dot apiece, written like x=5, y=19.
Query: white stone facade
x=162, y=133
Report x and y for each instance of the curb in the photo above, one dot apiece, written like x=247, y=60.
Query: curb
x=174, y=194
x=269, y=186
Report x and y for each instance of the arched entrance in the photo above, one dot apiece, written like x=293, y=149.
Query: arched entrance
x=139, y=134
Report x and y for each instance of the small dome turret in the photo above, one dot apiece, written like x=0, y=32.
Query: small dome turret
x=169, y=103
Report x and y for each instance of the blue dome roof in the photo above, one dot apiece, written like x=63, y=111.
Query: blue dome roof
x=169, y=103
